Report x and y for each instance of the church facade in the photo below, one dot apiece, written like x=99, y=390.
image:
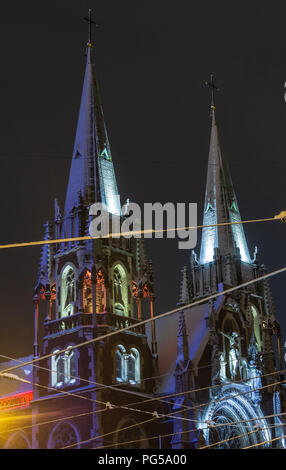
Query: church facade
x=226, y=390
x=229, y=348
x=91, y=288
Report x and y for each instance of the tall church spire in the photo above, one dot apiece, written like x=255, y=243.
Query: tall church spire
x=92, y=173
x=220, y=202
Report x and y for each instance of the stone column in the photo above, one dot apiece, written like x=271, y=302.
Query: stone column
x=153, y=326
x=48, y=305
x=139, y=306
x=36, y=324
x=93, y=289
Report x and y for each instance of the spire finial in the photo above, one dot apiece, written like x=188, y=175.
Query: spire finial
x=213, y=87
x=90, y=22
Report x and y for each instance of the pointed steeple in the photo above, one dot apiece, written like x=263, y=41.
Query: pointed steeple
x=92, y=172
x=182, y=342
x=220, y=203
x=46, y=256
x=185, y=296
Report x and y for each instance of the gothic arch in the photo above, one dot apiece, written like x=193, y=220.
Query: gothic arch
x=101, y=297
x=256, y=326
x=231, y=406
x=18, y=440
x=134, y=366
x=127, y=364
x=40, y=290
x=123, y=436
x=64, y=367
x=86, y=286
x=119, y=353
x=73, y=364
x=64, y=434
x=229, y=326
x=68, y=284
x=120, y=289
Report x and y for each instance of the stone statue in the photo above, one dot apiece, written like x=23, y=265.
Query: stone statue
x=215, y=360
x=69, y=288
x=234, y=353
x=118, y=288
x=254, y=375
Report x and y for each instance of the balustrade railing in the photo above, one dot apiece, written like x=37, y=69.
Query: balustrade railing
x=77, y=320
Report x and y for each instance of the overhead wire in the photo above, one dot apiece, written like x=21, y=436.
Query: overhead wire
x=172, y=415
x=156, y=416
x=148, y=320
x=134, y=392
x=189, y=431
x=159, y=316
x=280, y=217
x=265, y=442
x=155, y=413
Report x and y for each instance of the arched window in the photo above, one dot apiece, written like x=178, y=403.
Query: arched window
x=87, y=293
x=120, y=290
x=130, y=435
x=134, y=366
x=68, y=291
x=63, y=435
x=120, y=366
x=57, y=370
x=71, y=366
x=63, y=368
x=100, y=293
x=127, y=366
x=232, y=352
x=131, y=368
x=19, y=440
x=256, y=326
x=60, y=365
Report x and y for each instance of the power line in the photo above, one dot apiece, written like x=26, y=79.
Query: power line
x=159, y=398
x=108, y=433
x=46, y=387
x=171, y=415
x=102, y=386
x=52, y=421
x=265, y=442
x=206, y=388
x=166, y=313
x=281, y=217
x=192, y=430
x=154, y=413
x=132, y=392
x=246, y=434
x=149, y=437
x=148, y=320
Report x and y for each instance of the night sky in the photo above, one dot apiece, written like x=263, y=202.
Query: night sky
x=152, y=60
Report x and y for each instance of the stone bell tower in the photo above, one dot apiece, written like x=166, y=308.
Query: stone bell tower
x=89, y=288
x=231, y=339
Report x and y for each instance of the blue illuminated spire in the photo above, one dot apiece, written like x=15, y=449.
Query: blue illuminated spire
x=92, y=172
x=220, y=204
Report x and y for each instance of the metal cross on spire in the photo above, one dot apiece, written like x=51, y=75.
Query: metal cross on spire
x=90, y=22
x=213, y=87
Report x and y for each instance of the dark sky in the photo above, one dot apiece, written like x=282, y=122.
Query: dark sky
x=152, y=60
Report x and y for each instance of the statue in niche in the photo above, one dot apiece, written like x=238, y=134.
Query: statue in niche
x=118, y=288
x=88, y=300
x=234, y=353
x=69, y=288
x=215, y=359
x=254, y=375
